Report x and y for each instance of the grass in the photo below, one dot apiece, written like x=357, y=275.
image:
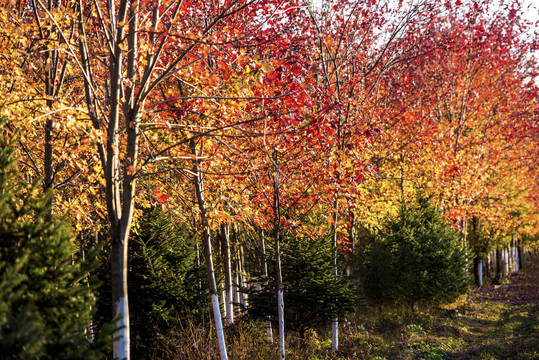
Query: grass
x=489, y=323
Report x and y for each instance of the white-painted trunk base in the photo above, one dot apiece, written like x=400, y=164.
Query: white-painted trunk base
x=269, y=330
x=223, y=297
x=480, y=273
x=219, y=326
x=280, y=303
x=121, y=346
x=335, y=334
x=230, y=306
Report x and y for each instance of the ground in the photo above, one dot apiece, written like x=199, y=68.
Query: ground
x=503, y=321
x=492, y=322
x=489, y=323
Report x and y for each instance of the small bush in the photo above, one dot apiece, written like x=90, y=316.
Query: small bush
x=416, y=257
x=46, y=303
x=164, y=279
x=166, y=286
x=312, y=293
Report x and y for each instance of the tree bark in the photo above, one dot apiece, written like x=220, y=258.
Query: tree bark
x=278, y=273
x=269, y=328
x=352, y=235
x=335, y=321
x=53, y=81
x=505, y=261
x=241, y=276
x=499, y=263
x=225, y=241
x=199, y=189
x=280, y=298
x=121, y=347
x=520, y=260
x=478, y=271
x=120, y=210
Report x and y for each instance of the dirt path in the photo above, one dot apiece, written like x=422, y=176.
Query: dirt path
x=501, y=322
x=522, y=288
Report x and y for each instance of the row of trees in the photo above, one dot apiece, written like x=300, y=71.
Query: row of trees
x=49, y=308
x=282, y=117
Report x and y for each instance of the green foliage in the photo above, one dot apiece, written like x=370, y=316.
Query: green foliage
x=46, y=304
x=417, y=257
x=164, y=279
x=415, y=329
x=165, y=283
x=312, y=292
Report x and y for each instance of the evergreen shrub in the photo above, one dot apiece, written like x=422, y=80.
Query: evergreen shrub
x=46, y=303
x=312, y=293
x=415, y=258
x=165, y=284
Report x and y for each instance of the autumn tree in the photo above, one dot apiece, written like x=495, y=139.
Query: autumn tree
x=456, y=127
x=124, y=51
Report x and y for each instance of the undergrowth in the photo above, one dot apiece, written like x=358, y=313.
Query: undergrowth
x=488, y=323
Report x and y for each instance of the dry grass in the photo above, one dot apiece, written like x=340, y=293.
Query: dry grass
x=490, y=323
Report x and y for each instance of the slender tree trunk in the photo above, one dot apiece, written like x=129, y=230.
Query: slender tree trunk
x=236, y=276
x=121, y=215
x=488, y=266
x=278, y=273
x=269, y=328
x=506, y=261
x=478, y=271
x=225, y=239
x=119, y=291
x=499, y=262
x=53, y=82
x=463, y=239
x=352, y=239
x=197, y=180
x=197, y=260
x=515, y=254
x=335, y=322
x=241, y=276
x=520, y=260
x=280, y=298
x=119, y=226
x=48, y=159
x=90, y=327
x=223, y=301
x=49, y=123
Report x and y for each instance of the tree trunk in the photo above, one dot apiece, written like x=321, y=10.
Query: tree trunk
x=352, y=235
x=48, y=158
x=278, y=273
x=225, y=241
x=53, y=82
x=499, y=263
x=463, y=239
x=197, y=180
x=223, y=301
x=506, y=260
x=478, y=271
x=236, y=277
x=119, y=209
x=280, y=298
x=121, y=347
x=241, y=276
x=335, y=322
x=488, y=266
x=269, y=328
x=520, y=260
x=515, y=254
